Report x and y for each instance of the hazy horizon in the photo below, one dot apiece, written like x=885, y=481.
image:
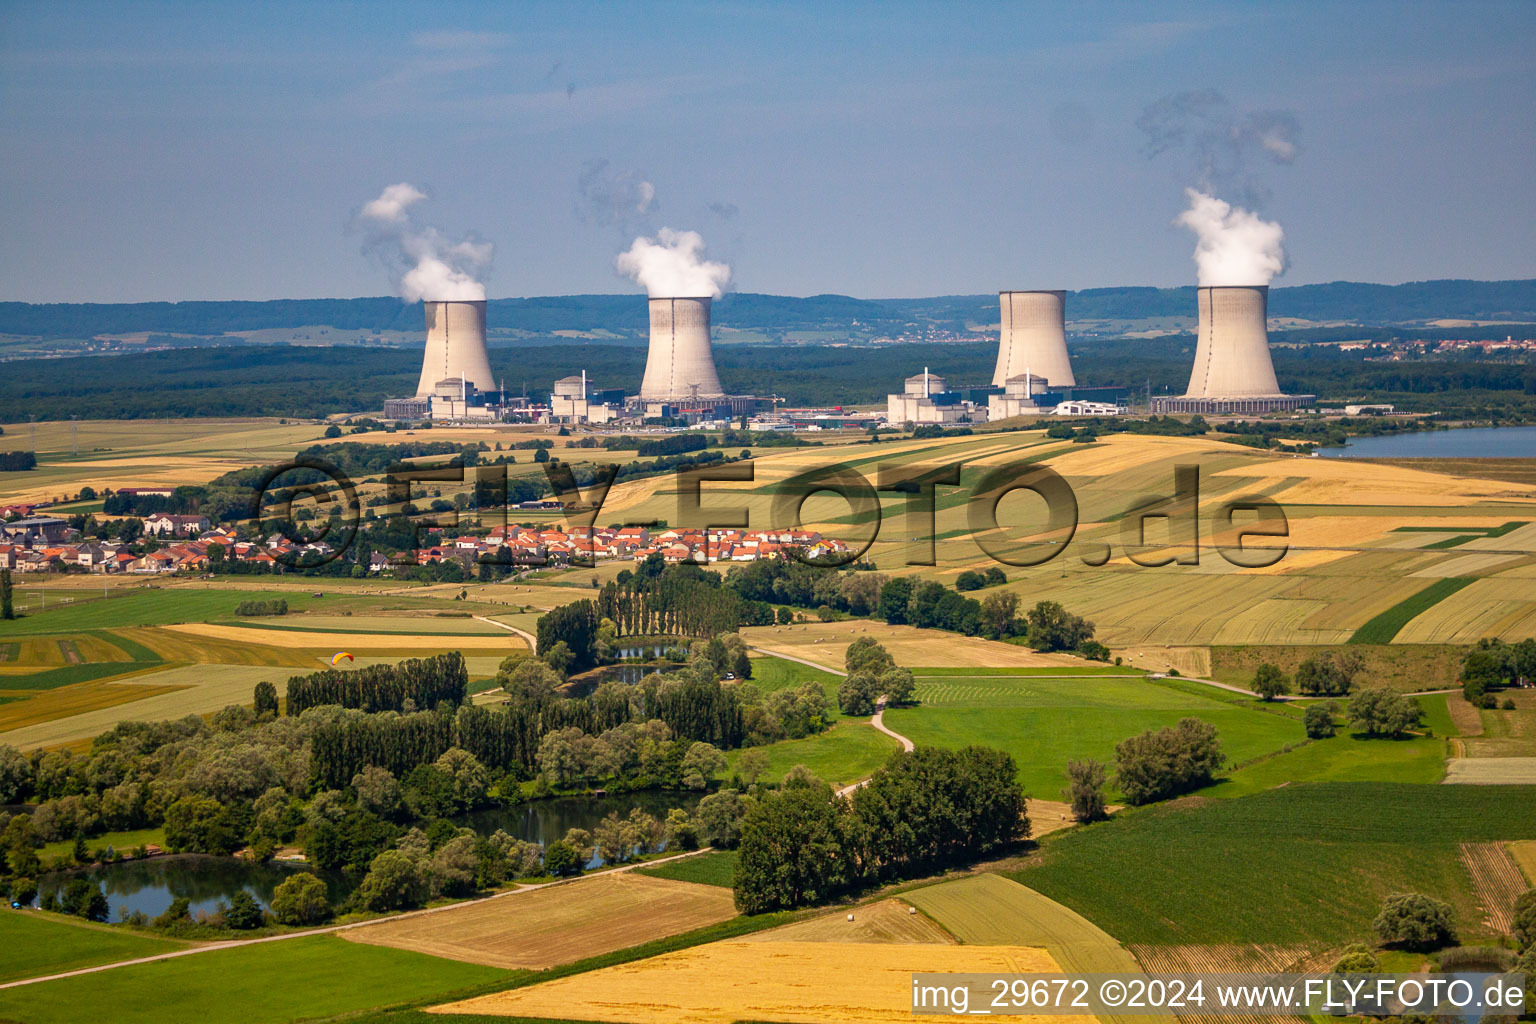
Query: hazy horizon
x=166, y=152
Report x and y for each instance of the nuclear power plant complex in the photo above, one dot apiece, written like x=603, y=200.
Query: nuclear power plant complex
x=1233, y=372
x=1032, y=376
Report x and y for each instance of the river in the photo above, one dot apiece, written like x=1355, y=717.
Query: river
x=1467, y=443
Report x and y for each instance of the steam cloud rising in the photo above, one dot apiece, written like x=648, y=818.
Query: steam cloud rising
x=425, y=265
x=609, y=196
x=672, y=265
x=1235, y=246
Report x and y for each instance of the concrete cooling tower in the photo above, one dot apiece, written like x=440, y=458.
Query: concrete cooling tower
x=1034, y=338
x=1233, y=372
x=680, y=364
x=455, y=346
x=1232, y=350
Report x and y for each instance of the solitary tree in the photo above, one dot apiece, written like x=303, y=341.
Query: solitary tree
x=7, y=608
x=1319, y=721
x=265, y=698
x=1415, y=921
x=301, y=899
x=1269, y=682
x=1085, y=789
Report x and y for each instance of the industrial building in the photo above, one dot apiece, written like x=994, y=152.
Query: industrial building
x=1233, y=372
x=1024, y=394
x=575, y=399
x=926, y=398
x=1033, y=337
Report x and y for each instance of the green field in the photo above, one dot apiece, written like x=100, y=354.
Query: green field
x=1309, y=863
x=266, y=983
x=37, y=944
x=66, y=675
x=845, y=753
x=1382, y=628
x=1043, y=722
x=1343, y=758
x=89, y=610
x=714, y=868
x=123, y=842
x=770, y=674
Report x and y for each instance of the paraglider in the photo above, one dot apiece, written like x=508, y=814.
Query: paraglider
x=338, y=656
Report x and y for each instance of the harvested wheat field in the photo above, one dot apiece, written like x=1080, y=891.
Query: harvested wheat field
x=558, y=924
x=786, y=982
x=826, y=643
x=351, y=641
x=890, y=920
x=1491, y=771
x=1233, y=960
x=1497, y=880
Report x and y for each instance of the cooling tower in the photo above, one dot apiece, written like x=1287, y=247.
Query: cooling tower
x=1232, y=353
x=455, y=346
x=1034, y=338
x=680, y=364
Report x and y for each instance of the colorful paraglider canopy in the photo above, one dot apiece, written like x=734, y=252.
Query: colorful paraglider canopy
x=338, y=656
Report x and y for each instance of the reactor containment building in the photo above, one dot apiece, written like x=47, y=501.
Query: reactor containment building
x=1233, y=372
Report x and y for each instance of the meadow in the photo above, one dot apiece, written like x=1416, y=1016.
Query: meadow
x=1044, y=722
x=264, y=983
x=849, y=750
x=1305, y=864
x=713, y=868
x=38, y=943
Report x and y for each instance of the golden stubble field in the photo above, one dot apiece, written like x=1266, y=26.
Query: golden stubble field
x=789, y=982
x=826, y=644
x=558, y=924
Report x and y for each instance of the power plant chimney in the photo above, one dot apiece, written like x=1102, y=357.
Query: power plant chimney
x=680, y=364
x=455, y=346
x=1232, y=350
x=1034, y=334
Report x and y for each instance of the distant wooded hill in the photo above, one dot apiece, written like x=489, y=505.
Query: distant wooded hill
x=1341, y=300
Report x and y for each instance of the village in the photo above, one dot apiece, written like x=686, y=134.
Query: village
x=169, y=543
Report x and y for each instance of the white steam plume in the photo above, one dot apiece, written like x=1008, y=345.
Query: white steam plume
x=672, y=265
x=1235, y=246
x=426, y=266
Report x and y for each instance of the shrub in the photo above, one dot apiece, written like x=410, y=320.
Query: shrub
x=301, y=900
x=1415, y=921
x=562, y=860
x=84, y=899
x=1357, y=959
x=276, y=606
x=178, y=913
x=857, y=693
x=243, y=912
x=1381, y=712
x=1169, y=761
x=1525, y=919
x=1269, y=682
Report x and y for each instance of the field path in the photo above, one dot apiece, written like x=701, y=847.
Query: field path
x=330, y=929
x=878, y=721
x=533, y=643
x=797, y=661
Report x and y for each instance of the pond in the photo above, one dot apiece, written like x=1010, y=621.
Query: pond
x=150, y=885
x=630, y=674
x=544, y=821
x=1468, y=443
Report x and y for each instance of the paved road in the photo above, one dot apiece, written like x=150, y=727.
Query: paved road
x=331, y=929
x=878, y=721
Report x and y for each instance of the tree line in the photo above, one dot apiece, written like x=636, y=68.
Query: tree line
x=922, y=811
x=407, y=686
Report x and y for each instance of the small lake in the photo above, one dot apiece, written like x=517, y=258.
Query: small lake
x=544, y=821
x=629, y=674
x=150, y=885
x=1469, y=443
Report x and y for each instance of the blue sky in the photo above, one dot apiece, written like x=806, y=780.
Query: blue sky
x=168, y=151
